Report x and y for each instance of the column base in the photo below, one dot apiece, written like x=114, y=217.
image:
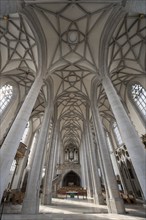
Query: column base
x=89, y=193
x=98, y=199
x=30, y=206
x=116, y=206
x=47, y=199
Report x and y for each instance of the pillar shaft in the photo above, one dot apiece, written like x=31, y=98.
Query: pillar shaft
x=115, y=203
x=83, y=172
x=129, y=134
x=47, y=191
x=11, y=143
x=25, y=159
x=31, y=200
x=97, y=192
x=29, y=160
x=87, y=170
x=56, y=148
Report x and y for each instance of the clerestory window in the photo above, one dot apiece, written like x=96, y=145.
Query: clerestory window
x=109, y=142
x=138, y=94
x=13, y=166
x=6, y=93
x=117, y=134
x=25, y=134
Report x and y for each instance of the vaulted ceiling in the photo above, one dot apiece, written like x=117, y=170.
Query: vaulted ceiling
x=72, y=33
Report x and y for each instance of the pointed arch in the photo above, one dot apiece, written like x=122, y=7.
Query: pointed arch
x=137, y=96
x=71, y=179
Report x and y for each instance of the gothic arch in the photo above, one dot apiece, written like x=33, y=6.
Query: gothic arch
x=71, y=179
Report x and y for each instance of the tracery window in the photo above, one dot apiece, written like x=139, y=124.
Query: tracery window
x=6, y=93
x=117, y=134
x=25, y=132
x=13, y=166
x=139, y=97
x=109, y=142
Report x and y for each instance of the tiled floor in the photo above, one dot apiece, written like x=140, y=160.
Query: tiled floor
x=72, y=209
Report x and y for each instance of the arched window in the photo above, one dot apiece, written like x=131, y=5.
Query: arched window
x=25, y=134
x=138, y=94
x=13, y=166
x=117, y=134
x=109, y=142
x=6, y=93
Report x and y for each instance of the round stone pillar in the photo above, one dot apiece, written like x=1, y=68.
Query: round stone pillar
x=129, y=134
x=97, y=193
x=47, y=190
x=31, y=199
x=114, y=201
x=11, y=143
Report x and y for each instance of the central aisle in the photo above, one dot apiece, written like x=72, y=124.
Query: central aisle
x=74, y=206
x=73, y=209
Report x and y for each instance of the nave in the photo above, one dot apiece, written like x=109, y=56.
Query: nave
x=75, y=209
x=72, y=106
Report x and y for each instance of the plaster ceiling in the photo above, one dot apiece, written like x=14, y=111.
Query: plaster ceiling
x=72, y=33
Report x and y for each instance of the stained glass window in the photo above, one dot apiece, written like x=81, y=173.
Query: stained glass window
x=6, y=93
x=25, y=133
x=117, y=134
x=109, y=142
x=139, y=97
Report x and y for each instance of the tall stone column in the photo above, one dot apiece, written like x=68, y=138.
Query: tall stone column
x=28, y=160
x=82, y=162
x=103, y=174
x=31, y=200
x=58, y=154
x=56, y=149
x=25, y=159
x=62, y=154
x=32, y=149
x=115, y=162
x=11, y=143
x=129, y=134
x=97, y=192
x=115, y=203
x=87, y=168
x=47, y=190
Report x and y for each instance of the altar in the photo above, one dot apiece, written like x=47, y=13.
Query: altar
x=72, y=194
